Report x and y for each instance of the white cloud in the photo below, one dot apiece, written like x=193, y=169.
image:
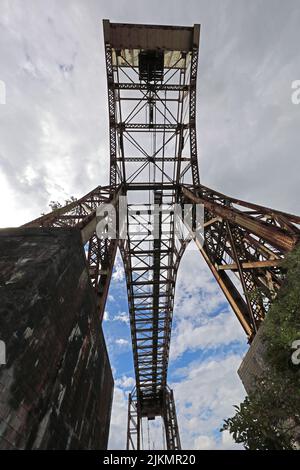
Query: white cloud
x=118, y=273
x=118, y=426
x=227, y=441
x=204, y=398
x=122, y=342
x=220, y=330
x=122, y=317
x=197, y=299
x=52, y=107
x=204, y=443
x=106, y=315
x=197, y=292
x=125, y=382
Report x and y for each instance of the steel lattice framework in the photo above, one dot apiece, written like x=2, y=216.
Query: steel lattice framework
x=151, y=80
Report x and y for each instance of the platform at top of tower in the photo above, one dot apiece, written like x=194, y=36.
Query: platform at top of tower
x=130, y=39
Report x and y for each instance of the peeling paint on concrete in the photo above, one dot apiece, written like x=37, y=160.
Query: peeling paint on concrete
x=23, y=261
x=15, y=277
x=61, y=396
x=28, y=332
x=36, y=297
x=75, y=333
x=42, y=429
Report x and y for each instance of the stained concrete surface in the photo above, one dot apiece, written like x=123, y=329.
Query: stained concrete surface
x=56, y=387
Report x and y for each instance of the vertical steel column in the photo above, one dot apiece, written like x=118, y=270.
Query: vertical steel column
x=170, y=420
x=133, y=424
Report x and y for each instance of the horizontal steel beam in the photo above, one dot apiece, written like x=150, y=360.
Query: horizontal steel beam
x=149, y=86
x=251, y=264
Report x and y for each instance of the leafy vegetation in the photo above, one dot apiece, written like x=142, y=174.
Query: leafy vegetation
x=54, y=205
x=269, y=418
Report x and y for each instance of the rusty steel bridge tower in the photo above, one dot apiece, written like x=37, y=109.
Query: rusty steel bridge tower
x=151, y=81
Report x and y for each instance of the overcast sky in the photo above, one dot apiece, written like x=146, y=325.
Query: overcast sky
x=54, y=144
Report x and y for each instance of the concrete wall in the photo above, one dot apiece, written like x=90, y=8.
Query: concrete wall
x=56, y=387
x=253, y=364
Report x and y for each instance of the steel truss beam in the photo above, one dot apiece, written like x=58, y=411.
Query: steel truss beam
x=152, y=118
x=81, y=214
x=168, y=412
x=249, y=241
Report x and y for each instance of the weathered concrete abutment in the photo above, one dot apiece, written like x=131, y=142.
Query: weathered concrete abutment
x=56, y=386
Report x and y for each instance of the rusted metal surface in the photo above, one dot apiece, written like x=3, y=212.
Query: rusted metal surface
x=78, y=213
x=273, y=227
x=251, y=245
x=165, y=408
x=151, y=79
x=230, y=291
x=81, y=214
x=250, y=265
x=131, y=38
